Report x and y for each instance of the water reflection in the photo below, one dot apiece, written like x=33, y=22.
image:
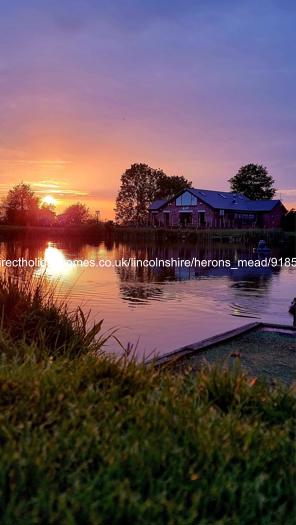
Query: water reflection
x=164, y=307
x=247, y=277
x=140, y=294
x=55, y=264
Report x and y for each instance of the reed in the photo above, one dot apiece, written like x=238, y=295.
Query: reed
x=31, y=313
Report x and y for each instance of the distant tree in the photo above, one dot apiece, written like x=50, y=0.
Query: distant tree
x=46, y=206
x=254, y=182
x=140, y=185
x=75, y=214
x=289, y=221
x=46, y=215
x=21, y=205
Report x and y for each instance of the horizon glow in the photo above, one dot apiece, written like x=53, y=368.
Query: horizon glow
x=197, y=89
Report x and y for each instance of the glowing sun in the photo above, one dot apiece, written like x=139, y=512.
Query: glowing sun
x=49, y=200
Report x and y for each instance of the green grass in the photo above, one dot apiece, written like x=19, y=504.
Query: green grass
x=95, y=440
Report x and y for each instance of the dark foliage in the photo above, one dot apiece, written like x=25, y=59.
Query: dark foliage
x=254, y=182
x=140, y=185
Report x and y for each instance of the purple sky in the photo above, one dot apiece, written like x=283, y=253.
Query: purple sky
x=195, y=88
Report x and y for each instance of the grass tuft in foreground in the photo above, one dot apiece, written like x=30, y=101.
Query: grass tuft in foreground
x=31, y=314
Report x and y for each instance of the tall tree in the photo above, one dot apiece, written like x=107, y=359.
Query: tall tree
x=168, y=186
x=140, y=185
x=21, y=205
x=254, y=182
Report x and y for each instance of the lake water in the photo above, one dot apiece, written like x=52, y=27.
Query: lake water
x=162, y=309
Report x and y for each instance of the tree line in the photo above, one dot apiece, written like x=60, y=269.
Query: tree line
x=22, y=207
x=139, y=186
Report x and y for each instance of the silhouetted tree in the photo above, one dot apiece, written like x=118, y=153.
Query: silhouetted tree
x=75, y=214
x=254, y=182
x=140, y=185
x=169, y=185
x=46, y=215
x=21, y=205
x=289, y=221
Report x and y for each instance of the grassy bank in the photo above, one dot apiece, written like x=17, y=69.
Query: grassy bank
x=246, y=236
x=101, y=230
x=82, y=231
x=87, y=439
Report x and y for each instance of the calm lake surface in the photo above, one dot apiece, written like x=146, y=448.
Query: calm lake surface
x=162, y=309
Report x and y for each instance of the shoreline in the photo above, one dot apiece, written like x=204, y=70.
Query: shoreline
x=100, y=231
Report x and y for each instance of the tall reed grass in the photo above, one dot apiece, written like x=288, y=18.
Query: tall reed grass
x=31, y=313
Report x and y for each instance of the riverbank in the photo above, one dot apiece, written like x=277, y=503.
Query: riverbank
x=87, y=438
x=82, y=231
x=95, y=441
x=245, y=236
x=103, y=230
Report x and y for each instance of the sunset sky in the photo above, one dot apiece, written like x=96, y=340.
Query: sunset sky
x=198, y=88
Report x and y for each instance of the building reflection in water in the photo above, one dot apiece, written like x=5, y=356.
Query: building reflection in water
x=133, y=279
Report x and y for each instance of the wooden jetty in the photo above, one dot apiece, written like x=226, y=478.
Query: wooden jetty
x=205, y=344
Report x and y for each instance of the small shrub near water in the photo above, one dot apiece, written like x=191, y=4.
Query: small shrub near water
x=30, y=313
x=95, y=440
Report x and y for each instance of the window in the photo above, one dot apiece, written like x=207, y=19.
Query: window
x=246, y=216
x=185, y=218
x=202, y=218
x=186, y=199
x=221, y=213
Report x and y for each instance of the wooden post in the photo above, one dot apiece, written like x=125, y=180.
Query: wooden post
x=292, y=311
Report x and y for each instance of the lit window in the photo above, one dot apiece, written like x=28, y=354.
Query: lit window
x=186, y=199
